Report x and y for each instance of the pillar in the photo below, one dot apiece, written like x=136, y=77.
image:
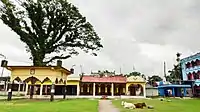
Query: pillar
x=31, y=88
x=112, y=88
x=64, y=90
x=185, y=92
x=144, y=90
x=78, y=90
x=41, y=88
x=52, y=91
x=26, y=90
x=99, y=89
x=46, y=90
x=106, y=89
x=192, y=76
x=82, y=89
x=124, y=90
x=23, y=87
x=127, y=90
x=94, y=89
x=6, y=86
x=10, y=92
x=173, y=92
x=88, y=88
x=19, y=87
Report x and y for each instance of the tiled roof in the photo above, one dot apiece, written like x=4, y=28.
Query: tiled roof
x=110, y=79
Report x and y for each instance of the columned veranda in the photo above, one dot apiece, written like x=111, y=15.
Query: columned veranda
x=96, y=89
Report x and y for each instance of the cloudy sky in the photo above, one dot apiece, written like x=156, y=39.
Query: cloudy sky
x=139, y=33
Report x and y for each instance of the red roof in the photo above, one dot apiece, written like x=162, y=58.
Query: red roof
x=110, y=79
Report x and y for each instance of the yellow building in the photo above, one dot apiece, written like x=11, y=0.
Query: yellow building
x=40, y=77
x=135, y=86
x=73, y=85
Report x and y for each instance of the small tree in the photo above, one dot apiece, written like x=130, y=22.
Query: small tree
x=153, y=79
x=51, y=29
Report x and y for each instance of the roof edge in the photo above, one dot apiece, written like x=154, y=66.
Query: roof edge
x=12, y=67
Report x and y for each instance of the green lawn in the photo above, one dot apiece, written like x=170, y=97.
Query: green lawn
x=177, y=105
x=73, y=105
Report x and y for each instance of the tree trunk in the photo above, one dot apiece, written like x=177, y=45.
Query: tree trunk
x=38, y=60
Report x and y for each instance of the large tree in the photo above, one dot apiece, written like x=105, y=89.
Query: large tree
x=51, y=29
x=175, y=75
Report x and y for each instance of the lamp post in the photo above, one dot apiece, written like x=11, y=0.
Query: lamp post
x=65, y=90
x=2, y=64
x=32, y=72
x=10, y=91
x=52, y=92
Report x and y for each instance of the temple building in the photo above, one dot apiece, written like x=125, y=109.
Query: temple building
x=22, y=77
x=92, y=85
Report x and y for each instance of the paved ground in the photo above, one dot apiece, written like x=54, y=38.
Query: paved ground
x=106, y=106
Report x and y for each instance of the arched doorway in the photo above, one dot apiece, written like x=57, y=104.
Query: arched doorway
x=135, y=90
x=46, y=86
x=17, y=84
x=35, y=85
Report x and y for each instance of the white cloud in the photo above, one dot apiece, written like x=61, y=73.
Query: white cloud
x=140, y=33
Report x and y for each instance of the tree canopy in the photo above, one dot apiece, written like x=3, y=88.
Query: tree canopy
x=154, y=78
x=51, y=29
x=175, y=74
x=135, y=73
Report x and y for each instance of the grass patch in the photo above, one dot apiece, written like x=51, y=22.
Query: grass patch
x=177, y=105
x=75, y=105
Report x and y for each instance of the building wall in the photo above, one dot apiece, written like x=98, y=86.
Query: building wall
x=72, y=82
x=151, y=91
x=40, y=73
x=185, y=70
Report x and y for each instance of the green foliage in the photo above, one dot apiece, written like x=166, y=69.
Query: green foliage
x=136, y=74
x=155, y=78
x=51, y=29
x=175, y=74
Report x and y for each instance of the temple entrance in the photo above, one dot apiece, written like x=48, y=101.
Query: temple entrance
x=135, y=90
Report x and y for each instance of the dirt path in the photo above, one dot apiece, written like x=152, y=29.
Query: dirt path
x=106, y=106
